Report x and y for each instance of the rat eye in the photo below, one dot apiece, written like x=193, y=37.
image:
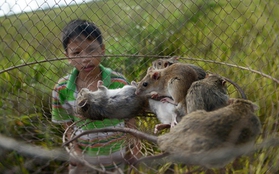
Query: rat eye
x=145, y=84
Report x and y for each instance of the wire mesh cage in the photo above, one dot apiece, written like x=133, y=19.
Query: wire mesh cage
x=235, y=39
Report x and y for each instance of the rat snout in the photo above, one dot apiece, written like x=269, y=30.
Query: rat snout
x=137, y=92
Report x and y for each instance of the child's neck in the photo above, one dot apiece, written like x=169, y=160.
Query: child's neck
x=88, y=80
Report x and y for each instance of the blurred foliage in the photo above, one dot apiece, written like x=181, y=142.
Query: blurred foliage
x=242, y=33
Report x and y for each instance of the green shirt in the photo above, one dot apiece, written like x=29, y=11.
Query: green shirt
x=64, y=106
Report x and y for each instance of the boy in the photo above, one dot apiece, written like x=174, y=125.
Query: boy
x=83, y=41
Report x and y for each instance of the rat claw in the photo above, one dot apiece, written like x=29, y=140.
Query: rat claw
x=166, y=99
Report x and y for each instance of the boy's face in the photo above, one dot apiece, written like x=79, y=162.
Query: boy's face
x=91, y=51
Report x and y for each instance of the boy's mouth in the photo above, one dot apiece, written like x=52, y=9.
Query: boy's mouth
x=88, y=68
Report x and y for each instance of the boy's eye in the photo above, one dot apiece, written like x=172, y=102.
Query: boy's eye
x=76, y=53
x=92, y=50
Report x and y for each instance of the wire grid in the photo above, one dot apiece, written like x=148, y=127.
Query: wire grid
x=236, y=39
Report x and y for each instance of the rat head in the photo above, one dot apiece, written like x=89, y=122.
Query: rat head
x=243, y=104
x=163, y=63
x=149, y=83
x=217, y=81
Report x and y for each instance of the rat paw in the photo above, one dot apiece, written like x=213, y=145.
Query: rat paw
x=168, y=100
x=99, y=83
x=154, y=95
x=173, y=123
x=159, y=127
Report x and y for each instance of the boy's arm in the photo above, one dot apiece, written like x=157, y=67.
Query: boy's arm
x=69, y=136
x=134, y=148
x=58, y=112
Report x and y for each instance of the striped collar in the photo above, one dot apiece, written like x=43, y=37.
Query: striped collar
x=106, y=77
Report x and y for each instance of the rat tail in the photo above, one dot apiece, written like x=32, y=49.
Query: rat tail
x=134, y=132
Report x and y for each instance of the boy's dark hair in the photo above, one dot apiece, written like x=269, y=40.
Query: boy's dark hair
x=79, y=27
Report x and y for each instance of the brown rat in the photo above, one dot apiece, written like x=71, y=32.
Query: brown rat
x=172, y=82
x=158, y=81
x=213, y=138
x=207, y=94
x=210, y=139
x=163, y=63
x=104, y=102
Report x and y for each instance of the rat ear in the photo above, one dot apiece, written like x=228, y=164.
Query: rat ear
x=231, y=101
x=134, y=83
x=175, y=58
x=224, y=82
x=255, y=107
x=150, y=69
x=155, y=75
x=166, y=64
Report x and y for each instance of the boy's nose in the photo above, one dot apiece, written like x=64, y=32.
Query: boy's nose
x=85, y=56
x=86, y=59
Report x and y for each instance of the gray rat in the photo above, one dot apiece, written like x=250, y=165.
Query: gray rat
x=163, y=63
x=207, y=94
x=209, y=139
x=110, y=103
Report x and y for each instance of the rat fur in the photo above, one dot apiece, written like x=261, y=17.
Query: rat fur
x=104, y=103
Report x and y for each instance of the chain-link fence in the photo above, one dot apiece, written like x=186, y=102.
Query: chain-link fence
x=236, y=39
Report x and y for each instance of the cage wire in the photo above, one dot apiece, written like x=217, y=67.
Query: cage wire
x=235, y=39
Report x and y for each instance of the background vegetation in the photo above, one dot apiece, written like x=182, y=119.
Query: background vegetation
x=203, y=32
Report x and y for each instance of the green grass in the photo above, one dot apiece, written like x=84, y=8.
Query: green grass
x=242, y=33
